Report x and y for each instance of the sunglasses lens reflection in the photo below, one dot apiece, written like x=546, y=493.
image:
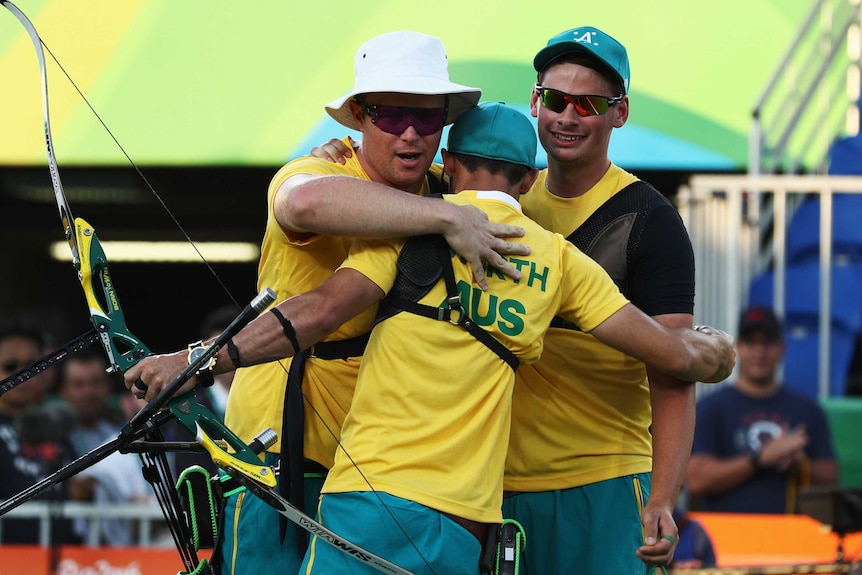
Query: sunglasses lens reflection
x=557, y=101
x=396, y=119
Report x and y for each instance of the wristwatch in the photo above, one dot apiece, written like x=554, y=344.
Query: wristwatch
x=196, y=350
x=754, y=457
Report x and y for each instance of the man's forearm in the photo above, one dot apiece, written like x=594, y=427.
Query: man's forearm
x=346, y=206
x=307, y=319
x=673, y=409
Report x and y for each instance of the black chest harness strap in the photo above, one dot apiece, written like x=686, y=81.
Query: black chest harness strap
x=422, y=261
x=292, y=463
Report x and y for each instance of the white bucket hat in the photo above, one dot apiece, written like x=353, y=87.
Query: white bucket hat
x=406, y=63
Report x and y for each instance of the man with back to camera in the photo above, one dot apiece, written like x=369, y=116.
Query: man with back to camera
x=401, y=485
x=757, y=442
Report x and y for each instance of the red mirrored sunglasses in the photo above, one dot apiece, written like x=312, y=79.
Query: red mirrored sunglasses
x=585, y=105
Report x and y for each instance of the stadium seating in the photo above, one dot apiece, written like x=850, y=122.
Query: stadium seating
x=845, y=157
x=801, y=319
x=803, y=236
x=802, y=294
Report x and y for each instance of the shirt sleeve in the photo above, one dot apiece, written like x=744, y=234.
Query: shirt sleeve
x=662, y=272
x=376, y=260
x=588, y=294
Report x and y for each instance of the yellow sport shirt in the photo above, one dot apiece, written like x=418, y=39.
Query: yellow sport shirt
x=582, y=413
x=292, y=263
x=431, y=413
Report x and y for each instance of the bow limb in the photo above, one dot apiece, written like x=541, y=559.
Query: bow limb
x=62, y=203
x=123, y=348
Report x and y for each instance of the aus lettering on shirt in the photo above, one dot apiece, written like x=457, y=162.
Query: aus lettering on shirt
x=487, y=309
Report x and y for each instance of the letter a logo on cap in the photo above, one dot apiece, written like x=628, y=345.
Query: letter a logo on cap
x=586, y=38
x=592, y=41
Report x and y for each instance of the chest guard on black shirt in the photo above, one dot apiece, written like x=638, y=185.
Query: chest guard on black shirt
x=610, y=236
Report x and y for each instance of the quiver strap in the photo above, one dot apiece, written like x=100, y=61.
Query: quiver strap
x=513, y=541
x=198, y=503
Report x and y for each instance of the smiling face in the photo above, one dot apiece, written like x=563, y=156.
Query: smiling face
x=401, y=160
x=570, y=140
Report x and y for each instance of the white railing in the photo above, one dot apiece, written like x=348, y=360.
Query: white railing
x=813, y=95
x=723, y=220
x=148, y=517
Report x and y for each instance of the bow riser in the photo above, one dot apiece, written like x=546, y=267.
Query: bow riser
x=124, y=349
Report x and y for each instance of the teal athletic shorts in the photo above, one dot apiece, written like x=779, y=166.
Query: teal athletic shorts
x=368, y=520
x=594, y=528
x=249, y=541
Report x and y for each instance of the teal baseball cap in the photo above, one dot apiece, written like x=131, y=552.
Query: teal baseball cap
x=494, y=131
x=591, y=41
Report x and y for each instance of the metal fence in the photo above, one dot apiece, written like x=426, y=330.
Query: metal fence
x=722, y=214
x=147, y=517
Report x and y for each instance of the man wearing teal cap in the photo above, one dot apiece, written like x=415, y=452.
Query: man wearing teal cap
x=418, y=476
x=594, y=479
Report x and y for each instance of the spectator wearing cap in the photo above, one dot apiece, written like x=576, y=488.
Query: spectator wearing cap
x=418, y=477
x=756, y=442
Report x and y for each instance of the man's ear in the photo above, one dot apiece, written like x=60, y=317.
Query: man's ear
x=357, y=113
x=528, y=180
x=449, y=162
x=534, y=104
x=621, y=113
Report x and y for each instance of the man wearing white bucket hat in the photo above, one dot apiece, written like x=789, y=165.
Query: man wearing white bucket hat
x=401, y=100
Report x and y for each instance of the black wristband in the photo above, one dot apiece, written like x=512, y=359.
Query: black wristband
x=233, y=353
x=206, y=379
x=288, y=330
